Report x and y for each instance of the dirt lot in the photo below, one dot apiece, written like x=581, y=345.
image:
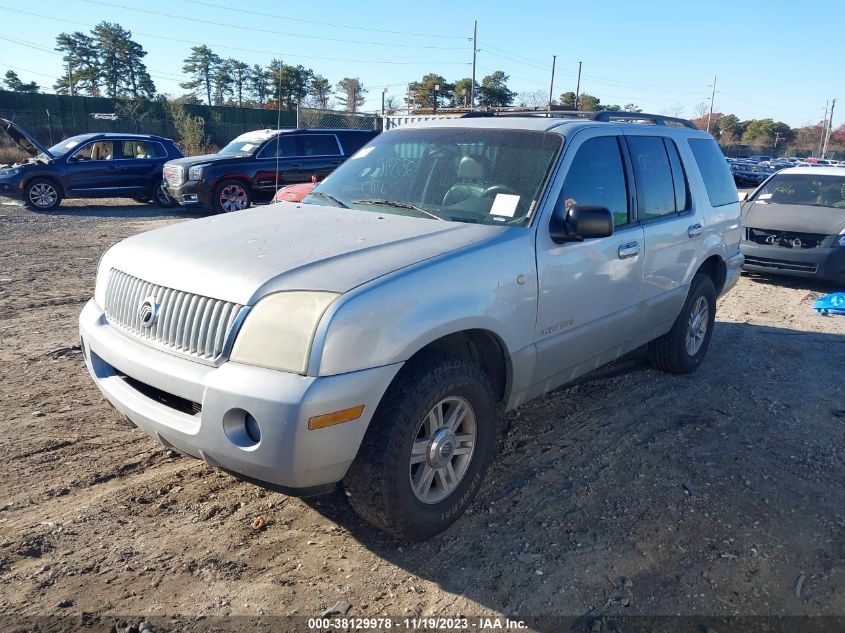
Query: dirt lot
x=633, y=492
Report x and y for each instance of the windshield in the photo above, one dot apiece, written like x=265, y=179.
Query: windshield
x=804, y=189
x=241, y=147
x=60, y=149
x=476, y=175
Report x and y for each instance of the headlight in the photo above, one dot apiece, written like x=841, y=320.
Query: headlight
x=839, y=240
x=279, y=330
x=8, y=173
x=195, y=172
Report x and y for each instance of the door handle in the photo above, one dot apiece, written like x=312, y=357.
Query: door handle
x=631, y=249
x=694, y=230
x=296, y=165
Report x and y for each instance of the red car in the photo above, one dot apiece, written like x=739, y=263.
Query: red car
x=295, y=193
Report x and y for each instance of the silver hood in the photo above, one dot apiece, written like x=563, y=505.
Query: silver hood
x=242, y=256
x=793, y=217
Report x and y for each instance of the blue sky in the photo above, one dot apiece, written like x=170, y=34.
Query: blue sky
x=774, y=58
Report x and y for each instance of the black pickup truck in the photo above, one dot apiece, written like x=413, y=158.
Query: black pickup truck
x=252, y=166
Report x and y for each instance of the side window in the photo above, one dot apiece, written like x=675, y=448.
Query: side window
x=679, y=176
x=98, y=150
x=717, y=178
x=597, y=177
x=653, y=175
x=288, y=147
x=142, y=149
x=353, y=142
x=319, y=145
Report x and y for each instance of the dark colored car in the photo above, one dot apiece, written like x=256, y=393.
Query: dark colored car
x=105, y=165
x=795, y=224
x=254, y=165
x=745, y=174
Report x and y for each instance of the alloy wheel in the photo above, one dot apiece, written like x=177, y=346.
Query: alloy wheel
x=43, y=195
x=443, y=449
x=697, y=328
x=233, y=198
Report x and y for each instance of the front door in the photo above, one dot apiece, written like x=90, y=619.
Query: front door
x=92, y=170
x=587, y=311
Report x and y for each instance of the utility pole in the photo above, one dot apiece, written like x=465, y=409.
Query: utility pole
x=712, y=99
x=383, y=92
x=829, y=128
x=552, y=86
x=578, y=86
x=777, y=137
x=474, y=51
x=434, y=101
x=824, y=127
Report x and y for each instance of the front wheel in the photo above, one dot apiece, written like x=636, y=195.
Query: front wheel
x=681, y=350
x=425, y=453
x=231, y=195
x=42, y=194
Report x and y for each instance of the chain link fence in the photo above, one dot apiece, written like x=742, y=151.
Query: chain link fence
x=337, y=119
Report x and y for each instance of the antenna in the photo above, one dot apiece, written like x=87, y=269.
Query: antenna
x=278, y=127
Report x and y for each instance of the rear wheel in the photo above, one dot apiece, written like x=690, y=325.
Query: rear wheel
x=42, y=194
x=160, y=197
x=681, y=350
x=231, y=195
x=427, y=448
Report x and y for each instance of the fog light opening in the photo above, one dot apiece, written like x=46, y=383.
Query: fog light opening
x=242, y=428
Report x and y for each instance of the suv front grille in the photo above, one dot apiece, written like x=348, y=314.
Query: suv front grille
x=786, y=239
x=174, y=175
x=190, y=324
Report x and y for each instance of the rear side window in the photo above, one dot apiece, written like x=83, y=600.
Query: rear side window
x=353, y=142
x=653, y=175
x=718, y=181
x=319, y=145
x=142, y=149
x=679, y=177
x=597, y=177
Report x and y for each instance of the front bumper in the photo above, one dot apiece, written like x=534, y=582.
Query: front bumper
x=288, y=455
x=818, y=263
x=191, y=193
x=11, y=189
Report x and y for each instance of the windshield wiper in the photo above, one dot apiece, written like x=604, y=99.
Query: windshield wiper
x=332, y=199
x=400, y=205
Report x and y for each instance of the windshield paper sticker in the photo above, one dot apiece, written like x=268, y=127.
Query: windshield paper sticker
x=504, y=205
x=248, y=147
x=764, y=196
x=363, y=152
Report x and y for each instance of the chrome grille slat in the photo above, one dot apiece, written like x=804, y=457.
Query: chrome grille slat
x=187, y=323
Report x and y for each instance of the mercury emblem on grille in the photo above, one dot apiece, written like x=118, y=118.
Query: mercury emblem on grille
x=148, y=312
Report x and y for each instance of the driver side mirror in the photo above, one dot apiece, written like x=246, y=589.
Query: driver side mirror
x=583, y=221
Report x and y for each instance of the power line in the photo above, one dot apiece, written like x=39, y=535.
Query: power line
x=217, y=45
x=339, y=26
x=253, y=29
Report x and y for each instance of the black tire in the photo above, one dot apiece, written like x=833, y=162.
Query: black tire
x=42, y=194
x=241, y=198
x=378, y=484
x=670, y=353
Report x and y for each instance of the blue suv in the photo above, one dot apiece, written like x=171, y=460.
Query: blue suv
x=102, y=165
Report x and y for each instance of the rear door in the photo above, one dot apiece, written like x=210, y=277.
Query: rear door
x=140, y=164
x=320, y=154
x=279, y=164
x=588, y=291
x=672, y=225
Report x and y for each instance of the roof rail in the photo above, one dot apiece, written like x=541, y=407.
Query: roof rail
x=657, y=119
x=602, y=115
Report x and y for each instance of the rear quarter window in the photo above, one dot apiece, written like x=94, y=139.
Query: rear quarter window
x=718, y=181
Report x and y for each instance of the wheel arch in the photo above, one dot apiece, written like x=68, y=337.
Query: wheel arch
x=480, y=346
x=715, y=268
x=51, y=177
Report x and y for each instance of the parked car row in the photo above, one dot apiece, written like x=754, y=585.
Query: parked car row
x=150, y=168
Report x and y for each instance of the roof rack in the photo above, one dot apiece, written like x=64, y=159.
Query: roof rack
x=601, y=115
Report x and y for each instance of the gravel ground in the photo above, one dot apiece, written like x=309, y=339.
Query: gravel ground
x=632, y=492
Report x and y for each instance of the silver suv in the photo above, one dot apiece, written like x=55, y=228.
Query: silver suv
x=375, y=333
